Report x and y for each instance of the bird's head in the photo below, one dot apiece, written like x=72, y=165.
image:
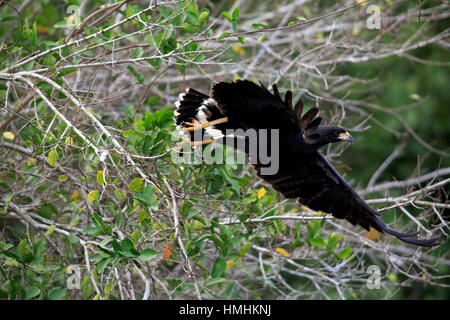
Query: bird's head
x=323, y=135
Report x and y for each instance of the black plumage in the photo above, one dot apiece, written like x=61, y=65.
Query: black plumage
x=304, y=173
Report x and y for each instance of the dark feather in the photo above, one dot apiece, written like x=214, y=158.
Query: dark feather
x=275, y=91
x=313, y=125
x=309, y=116
x=298, y=109
x=288, y=99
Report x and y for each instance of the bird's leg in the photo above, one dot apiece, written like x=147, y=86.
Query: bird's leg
x=195, y=125
x=196, y=143
x=193, y=143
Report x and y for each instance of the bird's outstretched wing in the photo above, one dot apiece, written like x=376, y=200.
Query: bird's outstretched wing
x=316, y=184
x=254, y=106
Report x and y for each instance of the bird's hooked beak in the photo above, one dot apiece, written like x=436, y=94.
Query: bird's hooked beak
x=345, y=136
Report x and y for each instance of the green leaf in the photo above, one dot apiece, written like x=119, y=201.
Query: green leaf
x=136, y=185
x=147, y=196
x=50, y=230
x=218, y=268
x=186, y=27
x=129, y=11
x=116, y=246
x=7, y=202
x=47, y=210
x=136, y=235
x=98, y=221
x=258, y=26
x=137, y=75
x=227, y=16
x=200, y=57
x=214, y=281
x=66, y=71
x=147, y=145
x=318, y=242
x=52, y=157
x=119, y=195
x=127, y=244
x=223, y=35
x=192, y=18
x=345, y=253
x=147, y=255
x=153, y=100
x=24, y=251
x=235, y=13
x=57, y=294
x=235, y=18
x=241, y=40
x=203, y=17
x=32, y=292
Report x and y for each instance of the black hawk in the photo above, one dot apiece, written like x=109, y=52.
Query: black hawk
x=303, y=173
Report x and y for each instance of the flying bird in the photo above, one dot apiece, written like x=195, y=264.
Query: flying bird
x=304, y=173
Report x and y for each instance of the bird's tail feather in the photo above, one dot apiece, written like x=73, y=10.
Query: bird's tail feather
x=406, y=237
x=194, y=106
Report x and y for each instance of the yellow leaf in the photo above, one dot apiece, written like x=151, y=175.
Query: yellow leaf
x=392, y=277
x=52, y=156
x=69, y=141
x=67, y=269
x=119, y=194
x=8, y=135
x=75, y=196
x=362, y=2
x=236, y=79
x=31, y=161
x=372, y=234
x=100, y=178
x=356, y=29
x=230, y=264
x=238, y=49
x=262, y=38
x=319, y=36
x=62, y=178
x=282, y=252
x=93, y=195
x=167, y=251
x=42, y=29
x=261, y=193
